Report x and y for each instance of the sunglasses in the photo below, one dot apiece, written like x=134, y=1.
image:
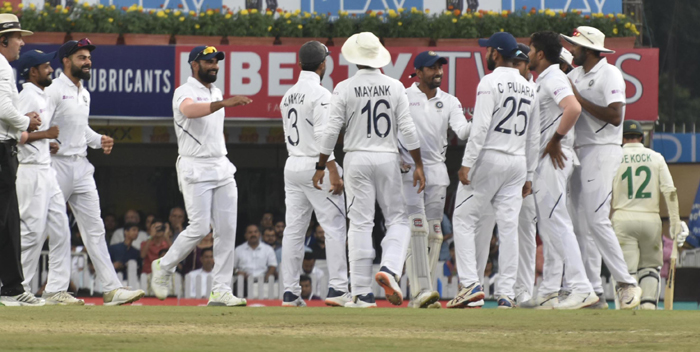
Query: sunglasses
x=579, y=34
x=208, y=50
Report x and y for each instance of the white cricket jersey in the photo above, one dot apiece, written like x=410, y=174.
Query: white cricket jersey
x=602, y=86
x=505, y=118
x=12, y=123
x=432, y=118
x=552, y=87
x=71, y=110
x=33, y=98
x=642, y=176
x=373, y=107
x=305, y=109
x=204, y=136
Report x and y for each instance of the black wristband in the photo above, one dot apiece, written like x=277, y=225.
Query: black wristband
x=557, y=137
x=320, y=167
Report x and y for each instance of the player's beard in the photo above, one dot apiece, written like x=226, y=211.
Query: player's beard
x=580, y=58
x=78, y=72
x=45, y=82
x=490, y=63
x=208, y=76
x=435, y=82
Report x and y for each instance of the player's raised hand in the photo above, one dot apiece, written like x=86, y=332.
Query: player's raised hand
x=419, y=178
x=107, y=144
x=553, y=148
x=237, y=100
x=52, y=133
x=53, y=147
x=318, y=179
x=527, y=189
x=464, y=175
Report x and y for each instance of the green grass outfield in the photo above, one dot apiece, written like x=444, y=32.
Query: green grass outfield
x=141, y=328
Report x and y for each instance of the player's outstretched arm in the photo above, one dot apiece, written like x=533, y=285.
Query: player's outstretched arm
x=51, y=133
x=194, y=110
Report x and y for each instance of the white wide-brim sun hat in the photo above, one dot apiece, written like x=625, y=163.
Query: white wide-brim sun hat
x=365, y=49
x=588, y=37
x=10, y=23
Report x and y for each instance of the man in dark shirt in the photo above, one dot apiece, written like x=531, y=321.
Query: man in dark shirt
x=121, y=253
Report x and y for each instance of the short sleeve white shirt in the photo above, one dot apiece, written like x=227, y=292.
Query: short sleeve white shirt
x=254, y=262
x=33, y=98
x=552, y=87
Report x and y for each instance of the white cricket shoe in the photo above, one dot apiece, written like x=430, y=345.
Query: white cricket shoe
x=425, y=299
x=630, y=296
x=61, y=298
x=364, y=301
x=160, y=280
x=472, y=293
x=121, y=296
x=647, y=306
x=436, y=305
x=291, y=300
x=578, y=301
x=541, y=302
x=337, y=298
x=390, y=283
x=24, y=299
x=601, y=304
x=226, y=299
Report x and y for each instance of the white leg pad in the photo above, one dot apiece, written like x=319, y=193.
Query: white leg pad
x=417, y=260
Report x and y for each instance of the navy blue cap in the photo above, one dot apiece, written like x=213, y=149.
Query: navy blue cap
x=504, y=42
x=32, y=58
x=522, y=53
x=198, y=53
x=427, y=59
x=70, y=47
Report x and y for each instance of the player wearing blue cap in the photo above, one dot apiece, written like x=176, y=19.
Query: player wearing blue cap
x=42, y=207
x=432, y=111
x=205, y=177
x=497, y=169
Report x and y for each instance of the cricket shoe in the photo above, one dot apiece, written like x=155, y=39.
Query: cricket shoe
x=630, y=296
x=291, y=300
x=475, y=305
x=122, y=295
x=578, y=301
x=541, y=302
x=601, y=304
x=563, y=294
x=390, y=283
x=425, y=299
x=337, y=298
x=61, y=298
x=504, y=302
x=225, y=299
x=160, y=280
x=363, y=301
x=436, y=305
x=24, y=299
x=472, y=293
x=647, y=306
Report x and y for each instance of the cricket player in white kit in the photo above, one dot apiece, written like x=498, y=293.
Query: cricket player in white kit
x=374, y=109
x=42, y=208
x=641, y=178
x=205, y=177
x=70, y=101
x=559, y=111
x=497, y=169
x=305, y=109
x=600, y=89
x=432, y=110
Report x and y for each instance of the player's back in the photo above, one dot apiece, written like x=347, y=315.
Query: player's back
x=373, y=107
x=513, y=100
x=642, y=175
x=305, y=109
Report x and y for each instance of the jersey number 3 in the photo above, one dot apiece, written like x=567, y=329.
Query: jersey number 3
x=630, y=186
x=500, y=128
x=294, y=126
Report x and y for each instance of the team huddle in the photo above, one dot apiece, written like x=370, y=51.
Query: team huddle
x=542, y=157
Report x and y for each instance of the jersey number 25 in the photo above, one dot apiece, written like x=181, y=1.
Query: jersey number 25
x=500, y=128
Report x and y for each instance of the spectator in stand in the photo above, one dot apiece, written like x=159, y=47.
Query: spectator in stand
x=177, y=221
x=149, y=220
x=194, y=259
x=255, y=258
x=270, y=238
x=308, y=267
x=110, y=221
x=130, y=217
x=279, y=231
x=267, y=220
x=319, y=246
x=159, y=240
x=122, y=253
x=307, y=289
x=204, y=273
x=450, y=266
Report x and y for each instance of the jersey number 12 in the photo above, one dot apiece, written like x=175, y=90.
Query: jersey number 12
x=630, y=186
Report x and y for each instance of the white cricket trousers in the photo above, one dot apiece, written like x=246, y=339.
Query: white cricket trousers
x=42, y=212
x=211, y=201
x=374, y=177
x=431, y=201
x=591, y=192
x=301, y=199
x=496, y=179
x=75, y=177
x=560, y=246
x=527, y=249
